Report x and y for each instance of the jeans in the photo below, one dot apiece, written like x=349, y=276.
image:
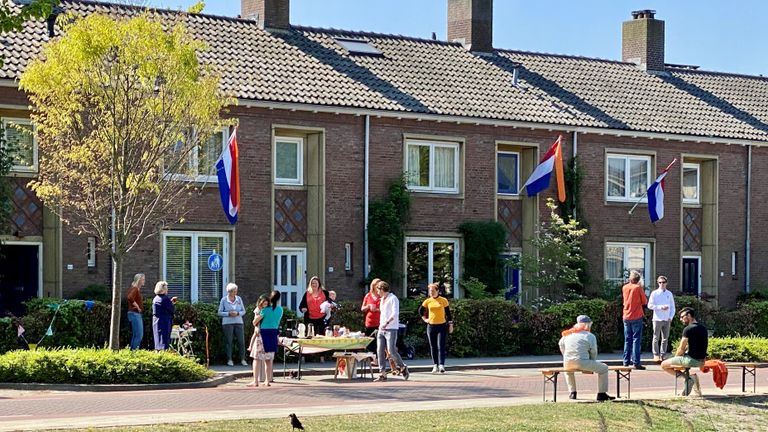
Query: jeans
x=660, y=337
x=633, y=334
x=137, y=329
x=436, y=334
x=387, y=339
x=590, y=365
x=237, y=331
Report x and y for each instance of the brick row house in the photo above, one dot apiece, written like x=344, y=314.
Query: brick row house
x=328, y=118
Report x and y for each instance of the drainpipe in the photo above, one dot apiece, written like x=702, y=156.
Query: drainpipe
x=367, y=140
x=749, y=209
x=575, y=153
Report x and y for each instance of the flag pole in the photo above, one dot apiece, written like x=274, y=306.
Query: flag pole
x=646, y=191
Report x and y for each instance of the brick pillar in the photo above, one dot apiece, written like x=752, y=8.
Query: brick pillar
x=273, y=14
x=471, y=22
x=643, y=41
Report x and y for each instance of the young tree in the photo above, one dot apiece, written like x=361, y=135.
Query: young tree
x=13, y=17
x=558, y=263
x=120, y=107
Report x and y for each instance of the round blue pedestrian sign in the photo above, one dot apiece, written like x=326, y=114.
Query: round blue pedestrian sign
x=215, y=262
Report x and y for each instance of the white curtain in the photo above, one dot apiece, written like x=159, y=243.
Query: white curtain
x=445, y=168
x=414, y=165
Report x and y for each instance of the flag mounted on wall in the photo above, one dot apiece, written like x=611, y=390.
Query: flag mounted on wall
x=228, y=173
x=541, y=176
x=656, y=195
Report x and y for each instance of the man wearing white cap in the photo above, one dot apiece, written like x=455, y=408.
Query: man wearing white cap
x=579, y=348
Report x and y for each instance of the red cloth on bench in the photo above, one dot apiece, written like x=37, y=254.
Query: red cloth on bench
x=719, y=372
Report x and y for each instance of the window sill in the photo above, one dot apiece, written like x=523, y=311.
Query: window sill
x=430, y=194
x=22, y=173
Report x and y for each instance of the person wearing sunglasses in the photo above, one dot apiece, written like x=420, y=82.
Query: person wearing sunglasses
x=662, y=303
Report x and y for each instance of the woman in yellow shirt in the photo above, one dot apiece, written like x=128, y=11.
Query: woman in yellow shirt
x=437, y=314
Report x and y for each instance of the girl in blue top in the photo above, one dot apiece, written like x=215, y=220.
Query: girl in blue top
x=268, y=320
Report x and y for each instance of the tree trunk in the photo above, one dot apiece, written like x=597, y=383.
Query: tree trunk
x=117, y=290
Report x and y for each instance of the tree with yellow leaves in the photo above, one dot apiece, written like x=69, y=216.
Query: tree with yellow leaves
x=120, y=107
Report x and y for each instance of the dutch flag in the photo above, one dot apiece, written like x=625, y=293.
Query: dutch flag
x=228, y=172
x=540, y=178
x=656, y=195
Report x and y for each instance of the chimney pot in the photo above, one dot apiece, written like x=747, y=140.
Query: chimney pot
x=471, y=21
x=270, y=14
x=643, y=40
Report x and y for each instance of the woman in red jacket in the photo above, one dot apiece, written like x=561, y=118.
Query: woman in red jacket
x=370, y=308
x=310, y=305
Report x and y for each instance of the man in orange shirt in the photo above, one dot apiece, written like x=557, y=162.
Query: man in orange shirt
x=634, y=300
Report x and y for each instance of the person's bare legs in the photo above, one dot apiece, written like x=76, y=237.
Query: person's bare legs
x=256, y=369
x=268, y=372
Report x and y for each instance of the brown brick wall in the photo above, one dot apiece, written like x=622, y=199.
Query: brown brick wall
x=270, y=13
x=471, y=20
x=643, y=39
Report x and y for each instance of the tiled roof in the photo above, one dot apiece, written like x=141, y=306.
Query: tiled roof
x=306, y=65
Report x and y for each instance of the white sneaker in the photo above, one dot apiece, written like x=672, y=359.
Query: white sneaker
x=229, y=363
x=244, y=363
x=442, y=369
x=434, y=369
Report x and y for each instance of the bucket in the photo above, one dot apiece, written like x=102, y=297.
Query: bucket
x=32, y=347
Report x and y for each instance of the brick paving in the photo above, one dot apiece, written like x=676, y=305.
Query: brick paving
x=313, y=395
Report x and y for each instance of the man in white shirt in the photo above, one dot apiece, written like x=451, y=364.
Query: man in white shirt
x=386, y=338
x=662, y=303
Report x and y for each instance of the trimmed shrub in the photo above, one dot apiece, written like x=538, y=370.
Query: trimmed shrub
x=98, y=366
x=94, y=292
x=738, y=349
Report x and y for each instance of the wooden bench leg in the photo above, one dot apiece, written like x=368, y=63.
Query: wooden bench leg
x=686, y=374
x=627, y=376
x=746, y=370
x=547, y=380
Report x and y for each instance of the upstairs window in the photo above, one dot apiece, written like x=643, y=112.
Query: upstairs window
x=289, y=158
x=508, y=173
x=358, y=47
x=200, y=163
x=19, y=135
x=691, y=183
x=432, y=166
x=627, y=177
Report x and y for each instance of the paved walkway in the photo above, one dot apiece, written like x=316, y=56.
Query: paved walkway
x=468, y=383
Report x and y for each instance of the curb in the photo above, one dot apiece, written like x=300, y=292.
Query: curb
x=216, y=381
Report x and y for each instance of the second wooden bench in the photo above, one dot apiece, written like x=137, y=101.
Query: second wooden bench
x=551, y=374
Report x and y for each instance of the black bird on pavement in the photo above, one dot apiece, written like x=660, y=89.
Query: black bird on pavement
x=295, y=422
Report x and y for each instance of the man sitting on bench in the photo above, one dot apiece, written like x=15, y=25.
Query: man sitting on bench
x=579, y=348
x=691, y=352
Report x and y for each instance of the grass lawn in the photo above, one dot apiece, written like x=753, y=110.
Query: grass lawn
x=731, y=414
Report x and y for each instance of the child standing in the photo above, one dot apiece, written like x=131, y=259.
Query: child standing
x=329, y=307
x=256, y=346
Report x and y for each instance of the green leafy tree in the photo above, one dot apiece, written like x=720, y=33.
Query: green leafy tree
x=120, y=106
x=484, y=243
x=558, y=265
x=197, y=7
x=386, y=219
x=13, y=17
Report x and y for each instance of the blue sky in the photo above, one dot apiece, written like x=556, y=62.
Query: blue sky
x=727, y=36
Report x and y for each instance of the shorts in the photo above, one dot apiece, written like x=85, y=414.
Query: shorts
x=686, y=361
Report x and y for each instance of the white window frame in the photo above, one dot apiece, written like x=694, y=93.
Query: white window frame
x=91, y=253
x=8, y=122
x=299, y=142
x=193, y=162
x=430, y=260
x=39, y=260
x=627, y=176
x=625, y=245
x=697, y=167
x=517, y=180
x=194, y=289
x=432, y=145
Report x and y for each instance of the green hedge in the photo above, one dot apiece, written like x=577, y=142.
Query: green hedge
x=739, y=349
x=98, y=366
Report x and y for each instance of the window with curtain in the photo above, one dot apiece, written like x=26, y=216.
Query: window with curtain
x=431, y=260
x=691, y=183
x=620, y=258
x=19, y=135
x=201, y=155
x=288, y=161
x=185, y=265
x=432, y=166
x=628, y=177
x=507, y=173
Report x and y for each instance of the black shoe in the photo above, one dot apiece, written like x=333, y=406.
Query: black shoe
x=572, y=396
x=626, y=364
x=404, y=372
x=640, y=367
x=602, y=397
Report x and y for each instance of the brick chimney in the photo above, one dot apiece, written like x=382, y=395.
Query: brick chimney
x=643, y=41
x=271, y=14
x=471, y=23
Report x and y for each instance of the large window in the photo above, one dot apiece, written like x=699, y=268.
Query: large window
x=620, y=258
x=432, y=166
x=508, y=173
x=19, y=135
x=627, y=177
x=289, y=154
x=431, y=260
x=691, y=183
x=190, y=267
x=200, y=164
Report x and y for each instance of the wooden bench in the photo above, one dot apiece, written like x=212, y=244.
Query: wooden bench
x=747, y=368
x=550, y=377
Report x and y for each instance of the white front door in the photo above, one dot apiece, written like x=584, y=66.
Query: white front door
x=289, y=277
